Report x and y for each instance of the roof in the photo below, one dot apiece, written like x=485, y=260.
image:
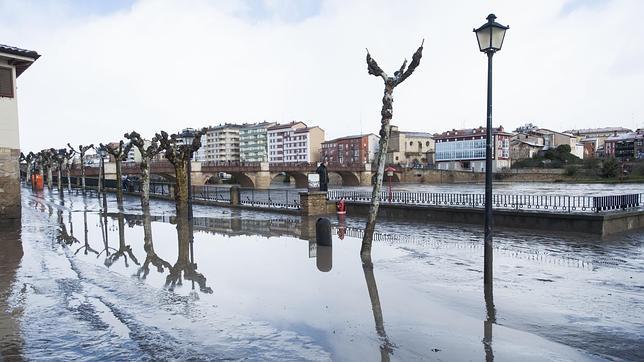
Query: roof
x=481, y=131
x=306, y=129
x=416, y=134
x=531, y=144
x=286, y=125
x=350, y=137
x=20, y=64
x=540, y=131
x=624, y=137
x=598, y=130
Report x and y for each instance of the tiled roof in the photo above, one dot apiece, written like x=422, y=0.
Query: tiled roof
x=349, y=137
x=17, y=51
x=21, y=65
x=287, y=125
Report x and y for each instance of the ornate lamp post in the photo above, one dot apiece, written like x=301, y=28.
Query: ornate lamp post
x=102, y=152
x=490, y=39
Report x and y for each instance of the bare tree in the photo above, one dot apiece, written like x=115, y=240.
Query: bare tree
x=147, y=154
x=69, y=155
x=119, y=153
x=385, y=130
x=179, y=156
x=81, y=151
x=29, y=160
x=58, y=156
x=46, y=161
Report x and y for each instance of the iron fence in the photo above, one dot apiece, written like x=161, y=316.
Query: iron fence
x=556, y=203
x=275, y=198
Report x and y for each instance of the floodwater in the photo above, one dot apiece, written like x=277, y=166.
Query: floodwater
x=514, y=188
x=81, y=283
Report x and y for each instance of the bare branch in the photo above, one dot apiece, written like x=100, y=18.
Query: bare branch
x=374, y=68
x=415, y=61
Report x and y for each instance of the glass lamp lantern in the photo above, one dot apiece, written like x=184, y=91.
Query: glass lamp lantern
x=490, y=35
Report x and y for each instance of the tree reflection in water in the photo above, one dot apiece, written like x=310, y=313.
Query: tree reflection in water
x=123, y=250
x=63, y=236
x=386, y=347
x=151, y=256
x=185, y=261
x=86, y=247
x=487, y=324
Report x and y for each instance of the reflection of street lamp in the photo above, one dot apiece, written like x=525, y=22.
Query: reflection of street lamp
x=490, y=39
x=390, y=173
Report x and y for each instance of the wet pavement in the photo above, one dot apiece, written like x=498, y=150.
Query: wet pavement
x=80, y=283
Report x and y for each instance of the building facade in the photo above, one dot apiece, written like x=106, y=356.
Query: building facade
x=253, y=142
x=221, y=143
x=13, y=62
x=410, y=148
x=464, y=149
x=350, y=150
x=592, y=139
x=303, y=145
x=625, y=147
x=276, y=139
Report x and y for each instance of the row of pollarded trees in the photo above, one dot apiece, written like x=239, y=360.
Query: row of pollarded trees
x=178, y=153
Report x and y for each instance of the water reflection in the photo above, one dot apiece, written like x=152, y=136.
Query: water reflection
x=123, y=250
x=86, y=247
x=489, y=322
x=11, y=343
x=185, y=264
x=151, y=256
x=324, y=258
x=386, y=347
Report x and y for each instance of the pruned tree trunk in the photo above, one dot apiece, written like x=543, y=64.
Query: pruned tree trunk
x=119, y=153
x=49, y=177
x=147, y=154
x=181, y=186
x=385, y=131
x=145, y=183
x=119, y=183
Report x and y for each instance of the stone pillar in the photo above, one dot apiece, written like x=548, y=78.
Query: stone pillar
x=313, y=203
x=234, y=195
x=9, y=184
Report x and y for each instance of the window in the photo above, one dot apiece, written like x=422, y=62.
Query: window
x=6, y=82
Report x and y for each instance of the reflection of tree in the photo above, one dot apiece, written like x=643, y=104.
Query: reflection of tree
x=86, y=246
x=487, y=324
x=184, y=263
x=106, y=241
x=63, y=235
x=124, y=250
x=386, y=347
x=151, y=256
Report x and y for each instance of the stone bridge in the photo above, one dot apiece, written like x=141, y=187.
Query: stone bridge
x=249, y=174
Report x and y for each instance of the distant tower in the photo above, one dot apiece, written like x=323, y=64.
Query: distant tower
x=13, y=61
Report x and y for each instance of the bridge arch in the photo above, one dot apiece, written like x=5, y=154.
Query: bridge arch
x=243, y=179
x=349, y=178
x=301, y=178
x=165, y=176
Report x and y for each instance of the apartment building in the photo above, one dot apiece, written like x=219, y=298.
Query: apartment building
x=276, y=139
x=626, y=147
x=303, y=144
x=464, y=149
x=253, y=142
x=359, y=149
x=221, y=143
x=592, y=139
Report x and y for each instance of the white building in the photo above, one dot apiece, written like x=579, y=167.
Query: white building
x=13, y=62
x=276, y=138
x=221, y=143
x=303, y=144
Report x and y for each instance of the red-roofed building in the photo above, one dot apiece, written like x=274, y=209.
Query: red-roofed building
x=350, y=150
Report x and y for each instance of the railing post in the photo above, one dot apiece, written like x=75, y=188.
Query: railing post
x=234, y=195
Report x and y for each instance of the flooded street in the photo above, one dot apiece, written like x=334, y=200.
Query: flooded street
x=80, y=283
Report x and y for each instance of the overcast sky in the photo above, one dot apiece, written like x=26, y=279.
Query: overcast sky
x=108, y=67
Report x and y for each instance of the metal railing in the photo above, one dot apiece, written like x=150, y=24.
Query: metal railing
x=555, y=203
x=276, y=198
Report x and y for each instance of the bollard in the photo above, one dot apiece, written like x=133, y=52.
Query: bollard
x=324, y=258
x=323, y=232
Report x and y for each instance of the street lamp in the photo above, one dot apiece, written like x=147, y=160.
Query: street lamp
x=390, y=173
x=102, y=152
x=188, y=137
x=490, y=39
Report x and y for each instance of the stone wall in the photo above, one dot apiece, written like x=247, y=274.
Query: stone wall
x=9, y=184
